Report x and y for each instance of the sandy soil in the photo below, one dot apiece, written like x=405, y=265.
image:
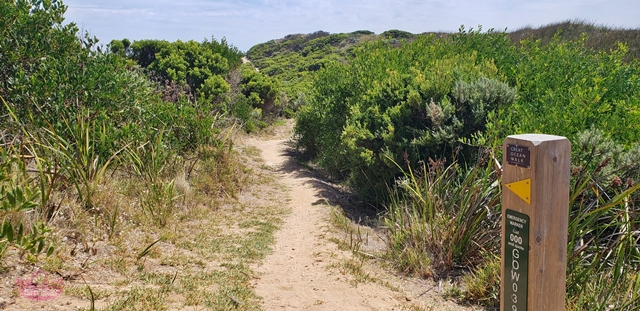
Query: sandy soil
x=301, y=273
x=296, y=276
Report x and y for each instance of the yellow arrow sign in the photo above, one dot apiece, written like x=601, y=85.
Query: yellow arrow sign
x=522, y=189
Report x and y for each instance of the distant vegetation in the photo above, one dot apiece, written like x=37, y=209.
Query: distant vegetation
x=600, y=38
x=293, y=59
x=397, y=34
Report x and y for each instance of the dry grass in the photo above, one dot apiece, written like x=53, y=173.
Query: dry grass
x=598, y=37
x=118, y=256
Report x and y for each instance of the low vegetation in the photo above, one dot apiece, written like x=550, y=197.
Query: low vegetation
x=294, y=59
x=596, y=37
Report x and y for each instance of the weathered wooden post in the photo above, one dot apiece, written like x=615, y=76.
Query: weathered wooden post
x=535, y=202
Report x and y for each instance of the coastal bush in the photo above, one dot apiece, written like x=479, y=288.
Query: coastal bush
x=388, y=104
x=72, y=109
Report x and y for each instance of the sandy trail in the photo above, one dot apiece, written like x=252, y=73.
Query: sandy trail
x=306, y=269
x=296, y=276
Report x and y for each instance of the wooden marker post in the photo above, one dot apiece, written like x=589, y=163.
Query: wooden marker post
x=535, y=215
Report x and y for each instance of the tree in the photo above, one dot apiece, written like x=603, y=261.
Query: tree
x=31, y=34
x=262, y=91
x=120, y=47
x=186, y=63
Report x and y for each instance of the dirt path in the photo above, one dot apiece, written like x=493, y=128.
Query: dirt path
x=304, y=272
x=297, y=276
x=246, y=60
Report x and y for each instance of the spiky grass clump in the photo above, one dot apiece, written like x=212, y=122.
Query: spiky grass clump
x=443, y=217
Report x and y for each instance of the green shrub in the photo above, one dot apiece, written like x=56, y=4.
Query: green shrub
x=243, y=110
x=386, y=103
x=212, y=88
x=565, y=88
x=200, y=66
x=397, y=34
x=32, y=36
x=261, y=91
x=120, y=47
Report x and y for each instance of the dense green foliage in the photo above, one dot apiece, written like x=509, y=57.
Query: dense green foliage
x=575, y=89
x=74, y=112
x=261, y=91
x=389, y=105
x=205, y=73
x=50, y=78
x=256, y=99
x=420, y=100
x=198, y=67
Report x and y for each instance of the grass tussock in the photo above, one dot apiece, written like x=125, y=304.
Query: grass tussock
x=442, y=218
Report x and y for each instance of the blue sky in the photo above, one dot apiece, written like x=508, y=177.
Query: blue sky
x=248, y=22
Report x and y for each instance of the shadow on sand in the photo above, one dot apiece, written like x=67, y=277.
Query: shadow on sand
x=327, y=190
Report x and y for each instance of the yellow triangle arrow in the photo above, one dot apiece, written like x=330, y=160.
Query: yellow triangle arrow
x=522, y=189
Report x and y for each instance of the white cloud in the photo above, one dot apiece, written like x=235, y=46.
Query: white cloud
x=248, y=22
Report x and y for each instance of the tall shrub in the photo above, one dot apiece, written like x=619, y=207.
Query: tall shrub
x=565, y=88
x=389, y=103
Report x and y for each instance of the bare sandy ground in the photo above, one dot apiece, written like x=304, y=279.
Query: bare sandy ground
x=297, y=276
x=303, y=272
